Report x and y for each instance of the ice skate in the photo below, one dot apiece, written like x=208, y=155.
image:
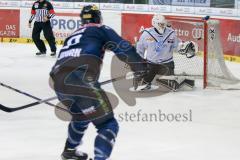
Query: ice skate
x=73, y=154
x=40, y=53
x=53, y=54
x=147, y=87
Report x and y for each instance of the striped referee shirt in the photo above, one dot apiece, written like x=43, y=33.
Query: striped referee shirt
x=41, y=9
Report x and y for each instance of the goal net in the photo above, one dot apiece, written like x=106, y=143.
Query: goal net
x=208, y=64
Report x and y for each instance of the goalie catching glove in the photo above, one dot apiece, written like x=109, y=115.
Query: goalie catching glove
x=188, y=48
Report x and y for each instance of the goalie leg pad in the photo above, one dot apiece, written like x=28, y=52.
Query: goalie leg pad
x=189, y=82
x=174, y=84
x=170, y=84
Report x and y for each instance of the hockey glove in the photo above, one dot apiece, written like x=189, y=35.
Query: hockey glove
x=189, y=49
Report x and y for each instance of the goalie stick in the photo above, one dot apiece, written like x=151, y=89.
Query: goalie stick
x=40, y=101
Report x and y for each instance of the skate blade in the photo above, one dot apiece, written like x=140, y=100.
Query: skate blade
x=141, y=88
x=63, y=158
x=41, y=55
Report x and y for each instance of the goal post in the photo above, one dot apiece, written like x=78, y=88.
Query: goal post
x=208, y=64
x=218, y=74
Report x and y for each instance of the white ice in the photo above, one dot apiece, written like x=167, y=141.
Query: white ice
x=37, y=134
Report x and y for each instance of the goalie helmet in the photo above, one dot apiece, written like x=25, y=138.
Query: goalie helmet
x=90, y=14
x=159, y=22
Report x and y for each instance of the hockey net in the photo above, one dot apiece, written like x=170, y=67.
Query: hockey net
x=208, y=64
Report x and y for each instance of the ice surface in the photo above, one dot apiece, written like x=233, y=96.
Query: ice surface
x=36, y=133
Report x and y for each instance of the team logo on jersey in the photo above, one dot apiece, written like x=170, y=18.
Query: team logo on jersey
x=36, y=5
x=170, y=40
x=159, y=45
x=150, y=39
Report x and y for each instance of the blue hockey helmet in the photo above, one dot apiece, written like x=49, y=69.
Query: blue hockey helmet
x=91, y=14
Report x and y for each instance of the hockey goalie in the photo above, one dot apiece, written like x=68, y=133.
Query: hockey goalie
x=157, y=45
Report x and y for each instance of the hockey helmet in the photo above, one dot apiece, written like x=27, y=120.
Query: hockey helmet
x=159, y=22
x=91, y=14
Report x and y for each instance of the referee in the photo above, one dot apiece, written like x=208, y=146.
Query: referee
x=42, y=11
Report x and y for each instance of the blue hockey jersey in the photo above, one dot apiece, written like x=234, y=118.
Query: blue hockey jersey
x=94, y=39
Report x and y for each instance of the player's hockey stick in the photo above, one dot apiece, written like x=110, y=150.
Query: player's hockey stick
x=9, y=109
x=40, y=101
x=24, y=93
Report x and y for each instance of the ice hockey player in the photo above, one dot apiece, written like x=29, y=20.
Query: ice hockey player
x=159, y=42
x=80, y=60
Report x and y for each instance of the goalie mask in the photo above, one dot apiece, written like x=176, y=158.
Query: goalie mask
x=91, y=14
x=159, y=22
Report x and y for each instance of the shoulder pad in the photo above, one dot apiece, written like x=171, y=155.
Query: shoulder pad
x=170, y=29
x=147, y=29
x=107, y=27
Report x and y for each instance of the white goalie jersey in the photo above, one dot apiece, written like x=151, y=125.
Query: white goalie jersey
x=158, y=47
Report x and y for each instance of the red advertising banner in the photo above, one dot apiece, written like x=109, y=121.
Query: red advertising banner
x=9, y=23
x=230, y=36
x=133, y=24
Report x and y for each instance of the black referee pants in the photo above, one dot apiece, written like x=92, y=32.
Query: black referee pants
x=48, y=34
